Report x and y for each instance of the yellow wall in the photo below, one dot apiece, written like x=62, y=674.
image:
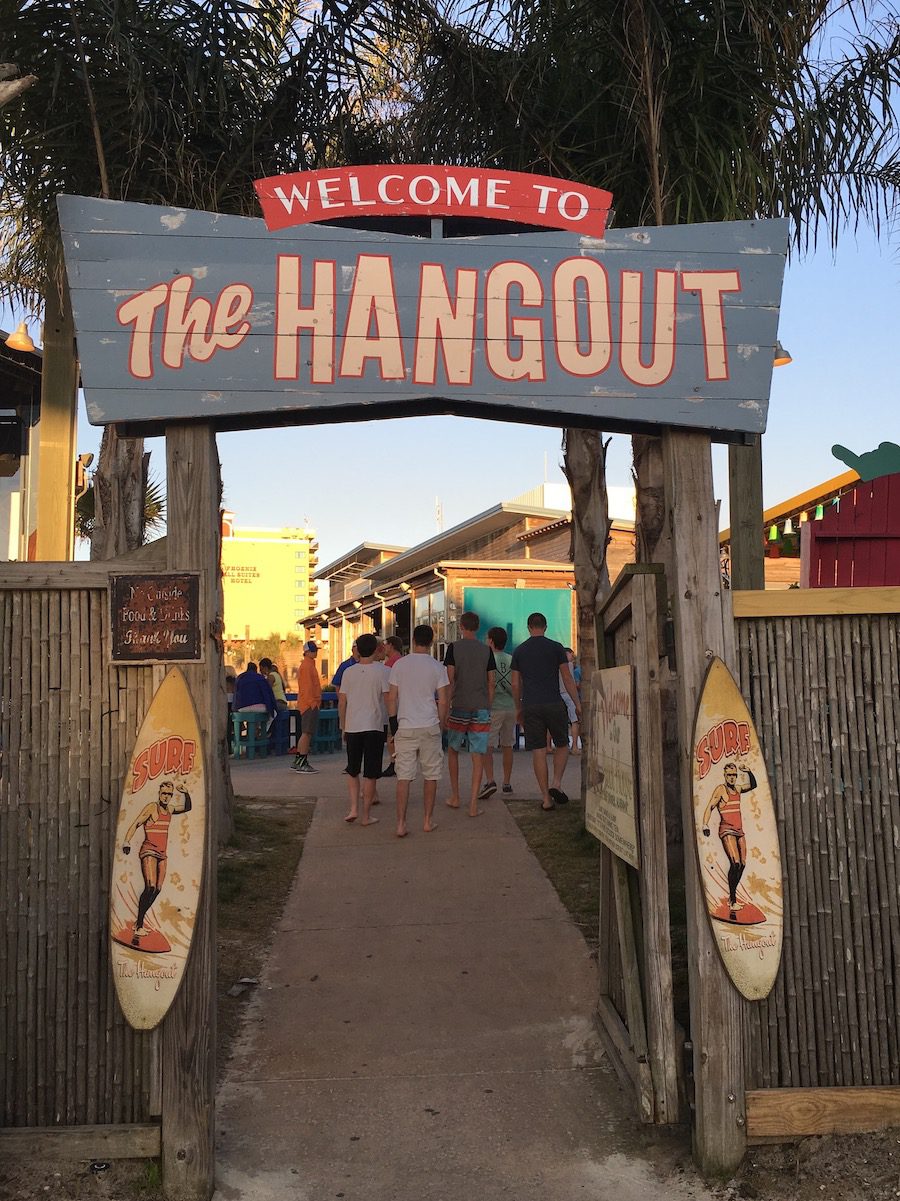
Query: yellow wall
x=266, y=581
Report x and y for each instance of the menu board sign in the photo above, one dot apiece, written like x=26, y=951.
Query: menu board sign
x=610, y=810
x=155, y=618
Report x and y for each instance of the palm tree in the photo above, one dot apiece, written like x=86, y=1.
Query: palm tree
x=685, y=112
x=179, y=102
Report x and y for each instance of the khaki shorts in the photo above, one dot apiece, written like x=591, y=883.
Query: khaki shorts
x=422, y=744
x=309, y=720
x=503, y=727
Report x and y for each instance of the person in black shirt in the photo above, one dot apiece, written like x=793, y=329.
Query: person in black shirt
x=539, y=666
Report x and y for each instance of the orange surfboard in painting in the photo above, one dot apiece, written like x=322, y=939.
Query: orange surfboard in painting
x=737, y=836
x=158, y=860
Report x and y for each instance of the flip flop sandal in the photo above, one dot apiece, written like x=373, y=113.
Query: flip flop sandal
x=558, y=796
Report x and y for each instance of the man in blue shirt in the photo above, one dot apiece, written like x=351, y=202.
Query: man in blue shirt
x=351, y=662
x=253, y=693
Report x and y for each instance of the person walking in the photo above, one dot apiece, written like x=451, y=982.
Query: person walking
x=309, y=701
x=418, y=704
x=503, y=716
x=471, y=670
x=362, y=715
x=538, y=665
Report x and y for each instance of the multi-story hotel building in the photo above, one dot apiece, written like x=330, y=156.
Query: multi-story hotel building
x=267, y=579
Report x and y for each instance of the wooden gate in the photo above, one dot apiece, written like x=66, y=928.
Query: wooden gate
x=67, y=721
x=76, y=1080
x=821, y=673
x=635, y=956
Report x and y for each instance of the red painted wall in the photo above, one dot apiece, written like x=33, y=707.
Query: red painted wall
x=857, y=543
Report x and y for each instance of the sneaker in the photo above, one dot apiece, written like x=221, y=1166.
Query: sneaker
x=307, y=769
x=295, y=766
x=506, y=788
x=487, y=790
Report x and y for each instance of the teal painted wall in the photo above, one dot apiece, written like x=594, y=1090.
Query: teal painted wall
x=509, y=608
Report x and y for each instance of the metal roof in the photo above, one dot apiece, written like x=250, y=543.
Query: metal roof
x=441, y=546
x=356, y=562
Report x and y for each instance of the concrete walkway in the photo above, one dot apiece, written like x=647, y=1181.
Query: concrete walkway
x=424, y=1026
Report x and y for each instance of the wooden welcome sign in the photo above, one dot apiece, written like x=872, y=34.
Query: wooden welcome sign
x=190, y=315
x=158, y=862
x=737, y=836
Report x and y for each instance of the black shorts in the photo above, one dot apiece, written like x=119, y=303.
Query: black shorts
x=540, y=720
x=365, y=750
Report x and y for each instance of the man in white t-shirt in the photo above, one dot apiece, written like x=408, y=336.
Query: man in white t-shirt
x=418, y=704
x=363, y=716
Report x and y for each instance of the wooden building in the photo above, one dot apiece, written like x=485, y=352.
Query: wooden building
x=504, y=563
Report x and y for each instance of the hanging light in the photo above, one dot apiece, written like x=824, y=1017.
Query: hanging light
x=20, y=339
x=789, y=526
x=782, y=356
x=820, y=512
x=773, y=533
x=804, y=517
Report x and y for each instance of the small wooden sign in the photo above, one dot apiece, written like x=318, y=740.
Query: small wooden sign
x=155, y=618
x=610, y=797
x=737, y=836
x=158, y=860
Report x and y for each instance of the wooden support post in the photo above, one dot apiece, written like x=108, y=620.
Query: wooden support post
x=745, y=504
x=55, y=521
x=716, y=1007
x=189, y=1032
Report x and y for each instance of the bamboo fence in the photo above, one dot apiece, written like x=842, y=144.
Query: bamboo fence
x=67, y=723
x=825, y=695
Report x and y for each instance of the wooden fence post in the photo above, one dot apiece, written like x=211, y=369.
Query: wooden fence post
x=189, y=1031
x=745, y=505
x=716, y=1008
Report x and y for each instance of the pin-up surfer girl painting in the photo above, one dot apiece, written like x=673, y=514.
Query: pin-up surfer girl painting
x=726, y=799
x=153, y=853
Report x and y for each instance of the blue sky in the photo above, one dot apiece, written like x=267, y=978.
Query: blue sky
x=379, y=481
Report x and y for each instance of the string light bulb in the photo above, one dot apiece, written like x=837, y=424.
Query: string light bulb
x=804, y=517
x=789, y=526
x=820, y=512
x=773, y=533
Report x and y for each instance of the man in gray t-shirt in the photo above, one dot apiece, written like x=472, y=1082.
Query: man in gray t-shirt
x=471, y=668
x=540, y=668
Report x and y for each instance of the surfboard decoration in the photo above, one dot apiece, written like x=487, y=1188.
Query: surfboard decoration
x=737, y=836
x=158, y=860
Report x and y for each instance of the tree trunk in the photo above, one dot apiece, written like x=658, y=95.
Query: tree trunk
x=584, y=465
x=120, y=484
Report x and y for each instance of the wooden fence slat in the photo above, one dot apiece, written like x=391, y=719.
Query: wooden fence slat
x=795, y=1112
x=824, y=694
x=82, y=1142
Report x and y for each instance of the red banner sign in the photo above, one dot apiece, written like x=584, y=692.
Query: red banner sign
x=427, y=191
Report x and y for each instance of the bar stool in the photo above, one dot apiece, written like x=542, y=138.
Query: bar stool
x=249, y=734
